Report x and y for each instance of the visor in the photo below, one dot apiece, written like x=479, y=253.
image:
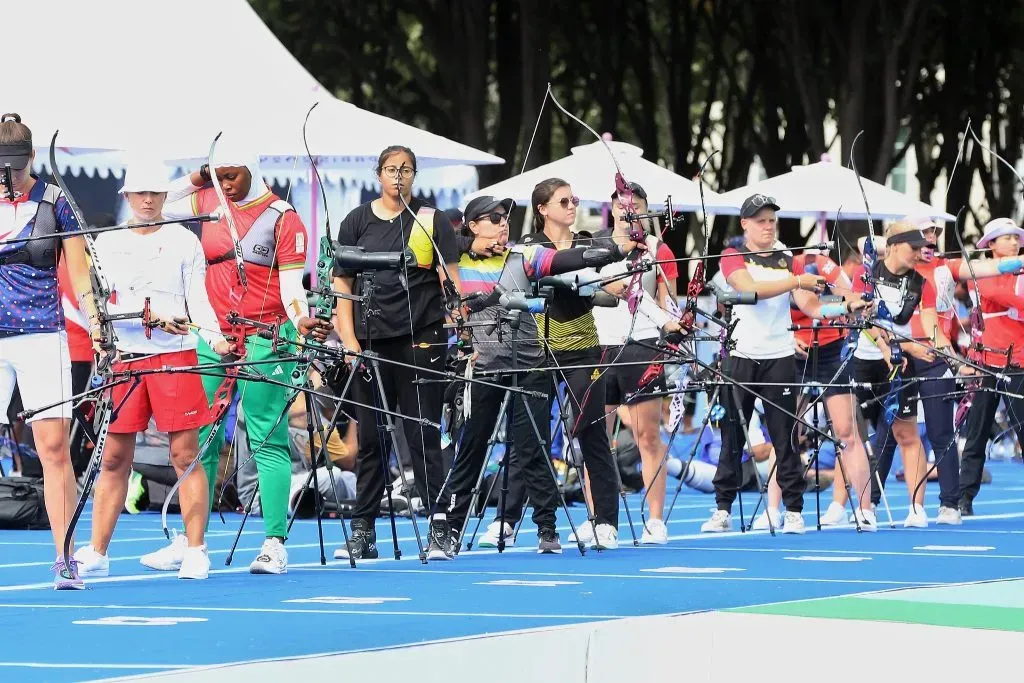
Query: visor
x=16, y=154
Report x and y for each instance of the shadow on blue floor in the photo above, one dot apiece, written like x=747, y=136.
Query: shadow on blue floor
x=139, y=621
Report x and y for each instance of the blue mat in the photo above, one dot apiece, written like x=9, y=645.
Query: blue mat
x=139, y=621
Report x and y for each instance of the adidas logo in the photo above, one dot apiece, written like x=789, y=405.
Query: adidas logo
x=277, y=371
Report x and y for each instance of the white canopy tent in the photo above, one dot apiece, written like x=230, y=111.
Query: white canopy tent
x=825, y=190
x=590, y=171
x=119, y=77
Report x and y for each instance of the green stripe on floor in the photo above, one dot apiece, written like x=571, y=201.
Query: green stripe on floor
x=909, y=612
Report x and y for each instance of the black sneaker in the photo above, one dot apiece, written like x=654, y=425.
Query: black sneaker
x=362, y=545
x=547, y=541
x=966, y=506
x=440, y=547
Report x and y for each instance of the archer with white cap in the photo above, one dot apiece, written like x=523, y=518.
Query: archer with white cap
x=164, y=264
x=1001, y=300
x=942, y=274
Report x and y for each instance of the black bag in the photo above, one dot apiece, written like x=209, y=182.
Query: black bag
x=22, y=504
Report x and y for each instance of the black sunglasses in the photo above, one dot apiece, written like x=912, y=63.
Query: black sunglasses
x=495, y=217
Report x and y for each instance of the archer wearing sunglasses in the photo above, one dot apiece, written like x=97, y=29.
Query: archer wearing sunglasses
x=942, y=274
x=570, y=336
x=513, y=269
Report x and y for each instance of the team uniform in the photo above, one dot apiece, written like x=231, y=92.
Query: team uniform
x=763, y=354
x=514, y=270
x=1002, y=308
x=830, y=340
x=273, y=243
x=404, y=324
x=167, y=267
x=902, y=295
x=619, y=331
x=31, y=319
x=570, y=336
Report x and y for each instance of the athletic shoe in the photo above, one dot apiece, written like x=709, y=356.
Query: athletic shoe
x=761, y=523
x=793, y=523
x=65, y=576
x=273, y=558
x=440, y=541
x=91, y=563
x=168, y=558
x=195, y=564
x=966, y=506
x=720, y=521
x=490, y=537
x=655, y=533
x=948, y=515
x=917, y=518
x=849, y=518
x=362, y=545
x=584, y=534
x=835, y=515
x=136, y=492
x=607, y=537
x=547, y=541
x=867, y=520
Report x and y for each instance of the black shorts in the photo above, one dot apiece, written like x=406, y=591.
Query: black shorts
x=623, y=379
x=872, y=400
x=830, y=360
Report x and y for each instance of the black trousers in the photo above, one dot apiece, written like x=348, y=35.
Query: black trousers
x=739, y=406
x=586, y=394
x=979, y=423
x=401, y=393
x=529, y=466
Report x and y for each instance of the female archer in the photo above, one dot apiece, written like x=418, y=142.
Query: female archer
x=255, y=257
x=31, y=325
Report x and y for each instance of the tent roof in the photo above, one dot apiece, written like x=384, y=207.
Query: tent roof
x=590, y=171
x=155, y=79
x=830, y=189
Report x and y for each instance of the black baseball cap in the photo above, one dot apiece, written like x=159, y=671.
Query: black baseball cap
x=483, y=205
x=454, y=215
x=915, y=238
x=635, y=188
x=756, y=202
x=16, y=154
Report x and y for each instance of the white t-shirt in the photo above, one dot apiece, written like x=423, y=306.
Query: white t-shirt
x=763, y=328
x=169, y=267
x=613, y=324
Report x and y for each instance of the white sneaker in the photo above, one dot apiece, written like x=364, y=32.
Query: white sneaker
x=946, y=516
x=655, y=533
x=584, y=532
x=849, y=518
x=835, y=515
x=195, y=564
x=793, y=523
x=607, y=537
x=761, y=523
x=273, y=558
x=719, y=522
x=168, y=558
x=866, y=519
x=490, y=537
x=91, y=563
x=917, y=518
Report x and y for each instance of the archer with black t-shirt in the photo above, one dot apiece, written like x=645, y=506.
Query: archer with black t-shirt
x=405, y=324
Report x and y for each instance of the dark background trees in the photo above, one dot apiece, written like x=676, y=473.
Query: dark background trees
x=760, y=80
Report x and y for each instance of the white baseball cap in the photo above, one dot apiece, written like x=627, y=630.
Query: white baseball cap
x=997, y=228
x=146, y=176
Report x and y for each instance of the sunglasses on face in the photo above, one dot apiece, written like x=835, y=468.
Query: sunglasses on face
x=564, y=201
x=494, y=218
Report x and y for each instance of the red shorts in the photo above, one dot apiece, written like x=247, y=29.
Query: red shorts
x=176, y=400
